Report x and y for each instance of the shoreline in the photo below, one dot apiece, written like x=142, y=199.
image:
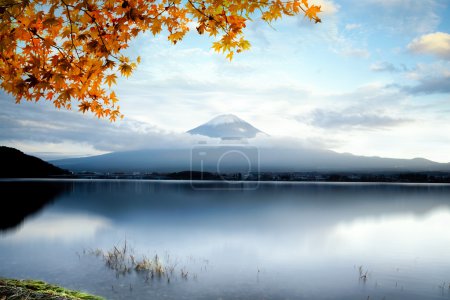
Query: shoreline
x=12, y=289
x=360, y=176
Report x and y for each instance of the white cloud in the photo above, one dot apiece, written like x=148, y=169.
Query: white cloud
x=426, y=79
x=384, y=66
x=327, y=7
x=352, y=26
x=393, y=3
x=437, y=44
x=423, y=70
x=430, y=85
x=69, y=133
x=355, y=52
x=353, y=119
x=340, y=41
x=54, y=150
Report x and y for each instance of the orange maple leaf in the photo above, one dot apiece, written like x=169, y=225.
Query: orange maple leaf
x=312, y=12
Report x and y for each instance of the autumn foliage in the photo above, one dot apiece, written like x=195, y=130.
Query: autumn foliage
x=71, y=51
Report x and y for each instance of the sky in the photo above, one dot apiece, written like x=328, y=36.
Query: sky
x=372, y=79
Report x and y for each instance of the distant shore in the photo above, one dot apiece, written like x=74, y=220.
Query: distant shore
x=399, y=177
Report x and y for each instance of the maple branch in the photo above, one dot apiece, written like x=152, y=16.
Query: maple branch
x=71, y=29
x=266, y=3
x=11, y=16
x=209, y=17
x=86, y=11
x=60, y=50
x=171, y=4
x=38, y=59
x=267, y=22
x=316, y=19
x=5, y=4
x=34, y=32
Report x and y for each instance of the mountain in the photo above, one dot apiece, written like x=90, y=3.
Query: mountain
x=244, y=158
x=226, y=126
x=16, y=164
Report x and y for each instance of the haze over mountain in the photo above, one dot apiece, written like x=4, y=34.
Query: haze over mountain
x=270, y=160
x=226, y=126
x=253, y=157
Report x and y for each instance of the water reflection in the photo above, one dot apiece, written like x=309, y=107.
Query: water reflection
x=418, y=233
x=283, y=240
x=26, y=198
x=60, y=226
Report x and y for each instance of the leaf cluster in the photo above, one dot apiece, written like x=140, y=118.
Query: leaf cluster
x=71, y=51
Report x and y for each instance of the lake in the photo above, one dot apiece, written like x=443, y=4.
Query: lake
x=222, y=241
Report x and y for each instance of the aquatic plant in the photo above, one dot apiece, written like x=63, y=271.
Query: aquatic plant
x=362, y=274
x=122, y=260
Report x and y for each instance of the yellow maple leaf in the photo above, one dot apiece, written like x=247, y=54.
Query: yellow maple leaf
x=113, y=98
x=110, y=79
x=230, y=55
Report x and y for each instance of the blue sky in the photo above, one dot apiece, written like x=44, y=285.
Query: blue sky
x=372, y=79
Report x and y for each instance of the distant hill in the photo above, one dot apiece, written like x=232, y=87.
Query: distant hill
x=16, y=164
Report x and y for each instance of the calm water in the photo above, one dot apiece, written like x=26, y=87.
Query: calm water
x=279, y=241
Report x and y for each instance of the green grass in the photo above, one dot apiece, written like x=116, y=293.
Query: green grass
x=12, y=289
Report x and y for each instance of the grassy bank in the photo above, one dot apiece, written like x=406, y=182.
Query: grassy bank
x=12, y=289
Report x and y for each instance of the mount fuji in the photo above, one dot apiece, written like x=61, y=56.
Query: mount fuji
x=227, y=126
x=269, y=158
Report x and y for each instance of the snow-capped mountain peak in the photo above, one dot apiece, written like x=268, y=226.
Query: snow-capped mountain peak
x=226, y=126
x=224, y=119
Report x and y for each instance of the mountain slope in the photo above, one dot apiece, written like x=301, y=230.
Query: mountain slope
x=226, y=126
x=270, y=160
x=16, y=164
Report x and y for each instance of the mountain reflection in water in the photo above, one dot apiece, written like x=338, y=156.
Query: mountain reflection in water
x=282, y=240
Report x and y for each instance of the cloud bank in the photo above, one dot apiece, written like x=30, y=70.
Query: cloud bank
x=437, y=44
